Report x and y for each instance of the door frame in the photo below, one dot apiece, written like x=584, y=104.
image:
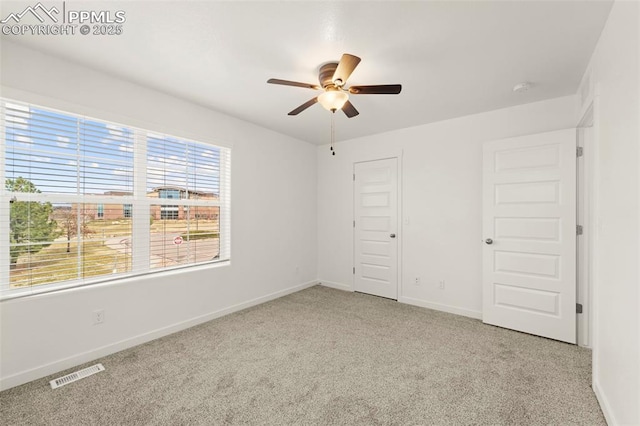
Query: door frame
x=585, y=244
x=399, y=236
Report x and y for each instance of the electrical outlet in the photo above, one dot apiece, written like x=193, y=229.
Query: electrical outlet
x=98, y=316
x=417, y=281
x=297, y=270
x=442, y=285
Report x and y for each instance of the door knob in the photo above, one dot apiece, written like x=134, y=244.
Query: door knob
x=488, y=241
x=392, y=235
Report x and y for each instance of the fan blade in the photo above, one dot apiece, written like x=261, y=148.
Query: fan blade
x=349, y=110
x=345, y=67
x=379, y=89
x=293, y=83
x=304, y=106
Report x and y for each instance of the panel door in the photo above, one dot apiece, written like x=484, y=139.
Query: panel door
x=529, y=227
x=375, y=227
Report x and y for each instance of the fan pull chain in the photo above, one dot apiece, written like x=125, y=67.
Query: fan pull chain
x=333, y=133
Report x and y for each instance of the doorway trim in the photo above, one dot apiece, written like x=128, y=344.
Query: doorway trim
x=586, y=194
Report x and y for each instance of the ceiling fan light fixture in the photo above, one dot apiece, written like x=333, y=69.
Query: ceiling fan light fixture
x=333, y=78
x=333, y=100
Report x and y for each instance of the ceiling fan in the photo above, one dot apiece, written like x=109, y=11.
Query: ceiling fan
x=333, y=77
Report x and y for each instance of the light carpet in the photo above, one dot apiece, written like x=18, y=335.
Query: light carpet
x=325, y=357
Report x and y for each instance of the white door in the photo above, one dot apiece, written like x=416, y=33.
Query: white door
x=376, y=227
x=529, y=226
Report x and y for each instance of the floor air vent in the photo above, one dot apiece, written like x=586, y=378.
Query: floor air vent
x=70, y=378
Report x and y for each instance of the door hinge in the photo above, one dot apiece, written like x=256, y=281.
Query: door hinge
x=579, y=230
x=579, y=151
x=354, y=270
x=354, y=176
x=578, y=308
x=354, y=223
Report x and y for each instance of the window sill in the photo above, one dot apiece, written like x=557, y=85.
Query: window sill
x=42, y=290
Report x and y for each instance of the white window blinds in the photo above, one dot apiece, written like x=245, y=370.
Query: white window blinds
x=84, y=200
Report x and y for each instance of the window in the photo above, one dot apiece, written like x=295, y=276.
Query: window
x=172, y=194
x=86, y=201
x=169, y=212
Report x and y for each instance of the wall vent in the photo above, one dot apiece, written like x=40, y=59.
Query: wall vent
x=70, y=378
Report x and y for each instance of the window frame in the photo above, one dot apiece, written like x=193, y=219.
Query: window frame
x=140, y=206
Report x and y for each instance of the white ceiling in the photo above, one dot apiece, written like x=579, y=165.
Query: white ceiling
x=452, y=58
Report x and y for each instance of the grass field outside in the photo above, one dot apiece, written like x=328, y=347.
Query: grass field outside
x=55, y=264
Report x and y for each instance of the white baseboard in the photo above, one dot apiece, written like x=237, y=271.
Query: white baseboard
x=72, y=361
x=441, y=307
x=337, y=286
x=604, y=404
x=415, y=302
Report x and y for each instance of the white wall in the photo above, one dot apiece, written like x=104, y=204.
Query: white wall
x=273, y=226
x=613, y=79
x=441, y=199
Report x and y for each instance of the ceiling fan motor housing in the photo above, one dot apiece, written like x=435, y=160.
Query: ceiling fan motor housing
x=326, y=74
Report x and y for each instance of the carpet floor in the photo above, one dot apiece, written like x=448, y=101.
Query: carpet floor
x=325, y=357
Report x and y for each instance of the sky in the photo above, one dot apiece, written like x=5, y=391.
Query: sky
x=63, y=153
